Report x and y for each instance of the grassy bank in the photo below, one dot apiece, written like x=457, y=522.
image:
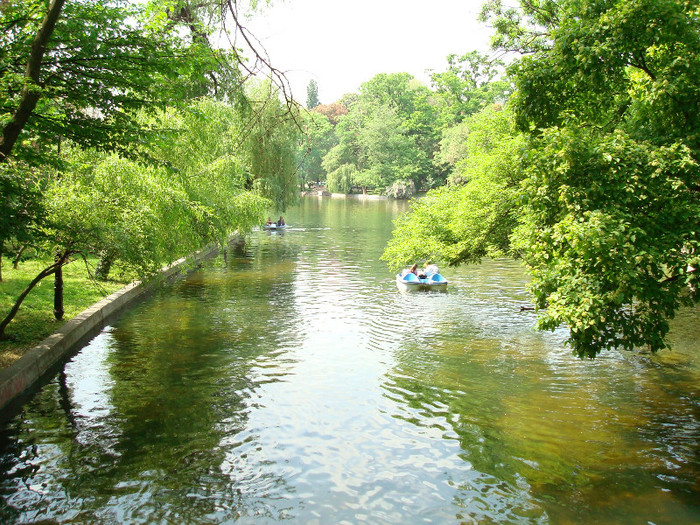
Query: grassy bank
x=35, y=320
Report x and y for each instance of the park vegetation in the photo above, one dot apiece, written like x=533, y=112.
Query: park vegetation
x=131, y=137
x=388, y=138
x=580, y=158
x=589, y=172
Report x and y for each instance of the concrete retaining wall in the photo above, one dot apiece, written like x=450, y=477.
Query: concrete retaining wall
x=31, y=367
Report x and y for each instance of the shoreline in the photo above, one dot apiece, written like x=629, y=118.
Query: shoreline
x=357, y=196
x=21, y=376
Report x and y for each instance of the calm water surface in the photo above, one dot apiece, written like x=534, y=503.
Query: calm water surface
x=292, y=381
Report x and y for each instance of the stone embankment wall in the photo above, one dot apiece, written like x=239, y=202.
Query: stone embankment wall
x=32, y=366
x=358, y=196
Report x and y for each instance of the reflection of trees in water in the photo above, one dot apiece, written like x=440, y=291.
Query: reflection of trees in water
x=435, y=389
x=568, y=440
x=553, y=435
x=187, y=383
x=181, y=380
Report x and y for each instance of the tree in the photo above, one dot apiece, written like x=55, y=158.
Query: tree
x=462, y=224
x=77, y=72
x=609, y=235
x=20, y=202
x=333, y=111
x=271, y=135
x=341, y=179
x=610, y=93
x=82, y=76
x=102, y=62
x=80, y=72
x=317, y=140
x=372, y=139
x=205, y=154
x=30, y=82
x=388, y=134
x=390, y=153
x=468, y=86
x=453, y=149
x=312, y=94
x=464, y=145
x=347, y=152
x=417, y=110
x=145, y=216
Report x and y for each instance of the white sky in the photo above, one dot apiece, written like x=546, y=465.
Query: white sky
x=343, y=43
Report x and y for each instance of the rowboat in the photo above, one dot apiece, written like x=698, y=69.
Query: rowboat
x=410, y=282
x=274, y=226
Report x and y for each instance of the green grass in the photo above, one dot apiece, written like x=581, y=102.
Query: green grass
x=35, y=320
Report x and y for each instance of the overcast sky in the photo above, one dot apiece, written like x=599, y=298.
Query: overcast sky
x=343, y=43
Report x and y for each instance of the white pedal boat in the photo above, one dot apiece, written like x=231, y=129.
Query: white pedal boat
x=407, y=281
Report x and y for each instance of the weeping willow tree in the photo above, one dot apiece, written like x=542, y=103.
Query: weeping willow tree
x=270, y=144
x=208, y=155
x=341, y=179
x=193, y=191
x=201, y=158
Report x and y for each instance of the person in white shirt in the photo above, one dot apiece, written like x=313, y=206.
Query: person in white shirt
x=429, y=270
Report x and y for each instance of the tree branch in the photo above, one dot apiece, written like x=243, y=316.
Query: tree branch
x=31, y=92
x=58, y=263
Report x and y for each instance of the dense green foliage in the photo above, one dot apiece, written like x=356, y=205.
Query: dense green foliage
x=103, y=60
x=389, y=133
x=126, y=135
x=470, y=83
x=316, y=140
x=270, y=146
x=148, y=215
x=461, y=223
x=607, y=94
x=613, y=181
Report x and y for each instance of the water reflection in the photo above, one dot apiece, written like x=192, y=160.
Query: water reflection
x=553, y=437
x=291, y=381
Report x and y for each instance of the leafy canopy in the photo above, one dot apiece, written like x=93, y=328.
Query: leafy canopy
x=103, y=61
x=610, y=96
x=462, y=223
x=600, y=194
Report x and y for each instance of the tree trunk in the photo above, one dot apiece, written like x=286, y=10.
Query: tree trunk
x=58, y=310
x=15, y=261
x=31, y=92
x=104, y=265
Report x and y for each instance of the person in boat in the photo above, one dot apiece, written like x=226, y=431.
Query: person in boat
x=281, y=221
x=269, y=221
x=413, y=269
x=429, y=270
